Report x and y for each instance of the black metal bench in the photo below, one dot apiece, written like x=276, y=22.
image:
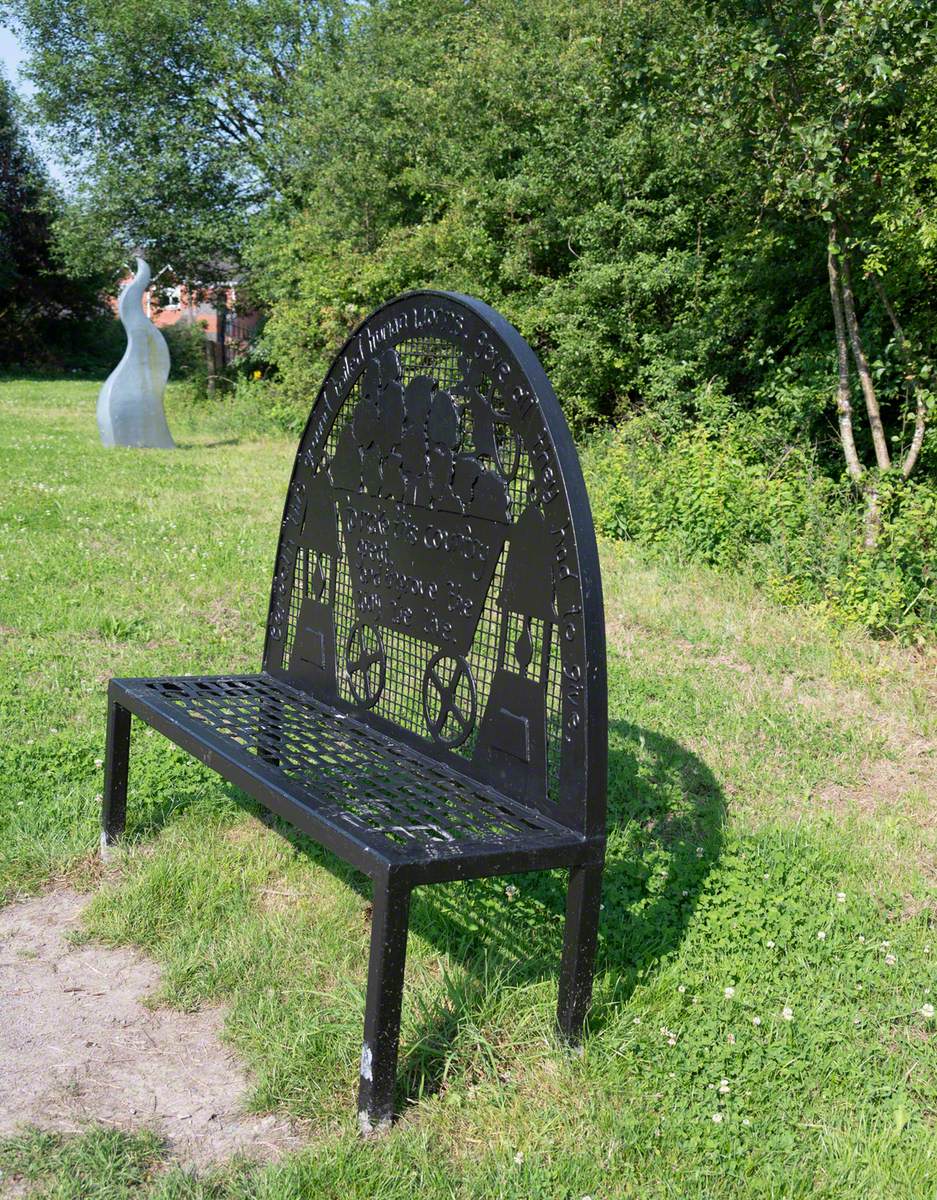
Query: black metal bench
x=432, y=703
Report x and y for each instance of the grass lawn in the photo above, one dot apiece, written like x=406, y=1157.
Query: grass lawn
x=767, y=955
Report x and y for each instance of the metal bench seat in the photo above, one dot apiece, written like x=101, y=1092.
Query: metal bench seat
x=373, y=800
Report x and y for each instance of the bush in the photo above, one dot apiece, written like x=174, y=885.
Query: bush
x=734, y=497
x=188, y=362
x=893, y=589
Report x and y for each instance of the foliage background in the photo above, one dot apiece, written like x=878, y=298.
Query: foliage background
x=646, y=191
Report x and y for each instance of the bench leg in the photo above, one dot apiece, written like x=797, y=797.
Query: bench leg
x=582, y=926
x=389, y=922
x=116, y=765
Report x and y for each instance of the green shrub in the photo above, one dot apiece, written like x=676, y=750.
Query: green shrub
x=733, y=496
x=78, y=345
x=189, y=363
x=893, y=589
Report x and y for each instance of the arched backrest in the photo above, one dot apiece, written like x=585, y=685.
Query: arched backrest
x=437, y=573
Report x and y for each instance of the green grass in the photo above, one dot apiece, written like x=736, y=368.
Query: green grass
x=761, y=763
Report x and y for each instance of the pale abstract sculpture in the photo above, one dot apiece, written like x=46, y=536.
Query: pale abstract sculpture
x=130, y=404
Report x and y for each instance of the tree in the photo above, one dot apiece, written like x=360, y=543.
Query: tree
x=170, y=116
x=833, y=103
x=487, y=147
x=36, y=295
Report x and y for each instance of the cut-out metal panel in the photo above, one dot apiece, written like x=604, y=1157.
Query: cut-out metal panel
x=437, y=573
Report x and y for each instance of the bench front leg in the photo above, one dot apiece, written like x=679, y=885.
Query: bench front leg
x=116, y=766
x=390, y=920
x=583, y=902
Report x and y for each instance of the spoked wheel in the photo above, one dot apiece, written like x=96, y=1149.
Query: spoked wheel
x=365, y=664
x=449, y=699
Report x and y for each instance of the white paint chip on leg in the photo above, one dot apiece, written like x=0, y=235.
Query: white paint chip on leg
x=372, y=1129
x=366, y=1058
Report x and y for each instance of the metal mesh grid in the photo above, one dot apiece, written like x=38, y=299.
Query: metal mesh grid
x=408, y=657
x=355, y=775
x=297, y=592
x=430, y=356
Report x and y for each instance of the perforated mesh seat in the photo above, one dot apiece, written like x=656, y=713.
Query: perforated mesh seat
x=335, y=772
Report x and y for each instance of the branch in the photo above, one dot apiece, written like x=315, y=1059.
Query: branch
x=920, y=412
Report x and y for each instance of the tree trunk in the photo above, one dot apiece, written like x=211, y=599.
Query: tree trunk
x=843, y=404
x=920, y=412
x=214, y=371
x=879, y=441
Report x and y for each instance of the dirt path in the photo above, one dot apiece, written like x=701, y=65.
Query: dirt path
x=78, y=1046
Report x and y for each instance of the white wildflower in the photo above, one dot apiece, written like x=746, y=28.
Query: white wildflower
x=724, y=1087
x=821, y=936
x=841, y=897
x=729, y=993
x=756, y=1020
x=890, y=960
x=717, y=1118
x=787, y=1013
x=927, y=1010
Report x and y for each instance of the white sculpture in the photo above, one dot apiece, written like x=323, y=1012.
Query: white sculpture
x=130, y=404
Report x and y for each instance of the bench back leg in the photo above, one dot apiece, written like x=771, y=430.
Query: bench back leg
x=582, y=925
x=116, y=765
x=389, y=923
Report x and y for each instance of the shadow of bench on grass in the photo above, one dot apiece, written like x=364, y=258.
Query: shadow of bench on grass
x=665, y=819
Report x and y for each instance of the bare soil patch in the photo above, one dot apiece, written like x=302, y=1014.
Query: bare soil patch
x=78, y=1046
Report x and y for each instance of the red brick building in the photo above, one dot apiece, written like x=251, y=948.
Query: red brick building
x=212, y=306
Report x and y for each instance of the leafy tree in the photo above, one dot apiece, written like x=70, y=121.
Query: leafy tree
x=658, y=195
x=492, y=148
x=832, y=102
x=172, y=116
x=36, y=296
